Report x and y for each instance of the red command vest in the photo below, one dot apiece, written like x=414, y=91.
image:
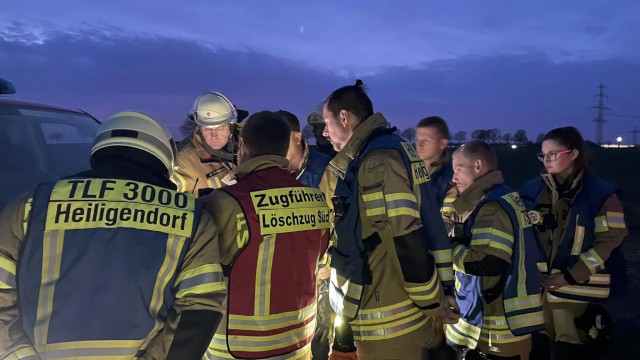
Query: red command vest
x=283, y=231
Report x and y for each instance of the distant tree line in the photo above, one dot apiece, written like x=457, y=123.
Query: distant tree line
x=491, y=136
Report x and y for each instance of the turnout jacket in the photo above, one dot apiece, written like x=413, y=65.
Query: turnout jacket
x=200, y=167
x=590, y=225
x=379, y=204
x=273, y=231
x=494, y=257
x=106, y=267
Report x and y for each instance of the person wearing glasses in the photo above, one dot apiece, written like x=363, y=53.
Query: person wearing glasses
x=579, y=223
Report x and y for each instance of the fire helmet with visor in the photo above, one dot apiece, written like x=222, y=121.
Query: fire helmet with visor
x=139, y=131
x=213, y=109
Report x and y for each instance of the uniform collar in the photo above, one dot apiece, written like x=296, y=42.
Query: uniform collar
x=470, y=198
x=260, y=163
x=569, y=191
x=305, y=159
x=340, y=162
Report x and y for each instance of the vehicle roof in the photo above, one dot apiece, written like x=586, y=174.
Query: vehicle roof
x=10, y=100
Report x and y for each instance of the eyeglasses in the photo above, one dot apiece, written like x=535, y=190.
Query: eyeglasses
x=551, y=155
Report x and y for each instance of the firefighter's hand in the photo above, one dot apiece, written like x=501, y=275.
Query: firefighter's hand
x=449, y=311
x=554, y=282
x=324, y=272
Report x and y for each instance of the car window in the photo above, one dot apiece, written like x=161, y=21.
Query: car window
x=40, y=145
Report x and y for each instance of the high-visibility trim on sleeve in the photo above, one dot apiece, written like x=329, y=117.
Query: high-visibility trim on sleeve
x=402, y=204
x=201, y=280
x=7, y=274
x=374, y=203
x=592, y=260
x=426, y=292
x=27, y=353
x=492, y=238
x=601, y=224
x=459, y=254
x=616, y=219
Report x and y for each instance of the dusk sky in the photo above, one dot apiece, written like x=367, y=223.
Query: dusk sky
x=477, y=63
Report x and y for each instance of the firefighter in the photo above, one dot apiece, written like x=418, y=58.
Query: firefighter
x=111, y=253
x=317, y=123
x=273, y=232
x=383, y=280
x=497, y=289
x=206, y=159
x=306, y=164
x=580, y=225
x=432, y=139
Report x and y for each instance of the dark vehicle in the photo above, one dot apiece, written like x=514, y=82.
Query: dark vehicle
x=39, y=143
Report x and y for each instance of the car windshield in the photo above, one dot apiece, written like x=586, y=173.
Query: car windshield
x=39, y=145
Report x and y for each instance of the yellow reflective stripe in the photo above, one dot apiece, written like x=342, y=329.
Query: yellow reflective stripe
x=587, y=291
x=7, y=274
x=52, y=245
x=180, y=182
x=459, y=254
x=500, y=336
x=167, y=270
x=522, y=302
x=601, y=224
x=352, y=290
x=493, y=238
x=378, y=195
x=600, y=279
x=445, y=273
x=201, y=280
x=271, y=342
x=616, y=219
x=374, y=203
x=542, y=266
x=27, y=353
x=463, y=334
x=592, y=260
x=389, y=330
x=399, y=204
x=578, y=239
x=424, y=292
x=527, y=320
x=271, y=322
x=262, y=301
x=27, y=213
x=385, y=316
x=218, y=182
x=442, y=256
x=108, y=349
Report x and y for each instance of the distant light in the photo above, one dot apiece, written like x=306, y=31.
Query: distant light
x=619, y=139
x=514, y=146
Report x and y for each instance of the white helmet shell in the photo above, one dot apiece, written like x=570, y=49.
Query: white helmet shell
x=213, y=109
x=137, y=130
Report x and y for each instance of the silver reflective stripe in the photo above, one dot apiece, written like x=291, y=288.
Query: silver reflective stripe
x=205, y=278
x=302, y=315
x=493, y=237
x=402, y=203
x=383, y=314
x=592, y=260
x=390, y=330
x=289, y=339
x=522, y=303
x=88, y=353
x=373, y=204
x=7, y=278
x=292, y=355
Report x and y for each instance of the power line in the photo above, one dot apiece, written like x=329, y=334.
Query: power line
x=599, y=120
